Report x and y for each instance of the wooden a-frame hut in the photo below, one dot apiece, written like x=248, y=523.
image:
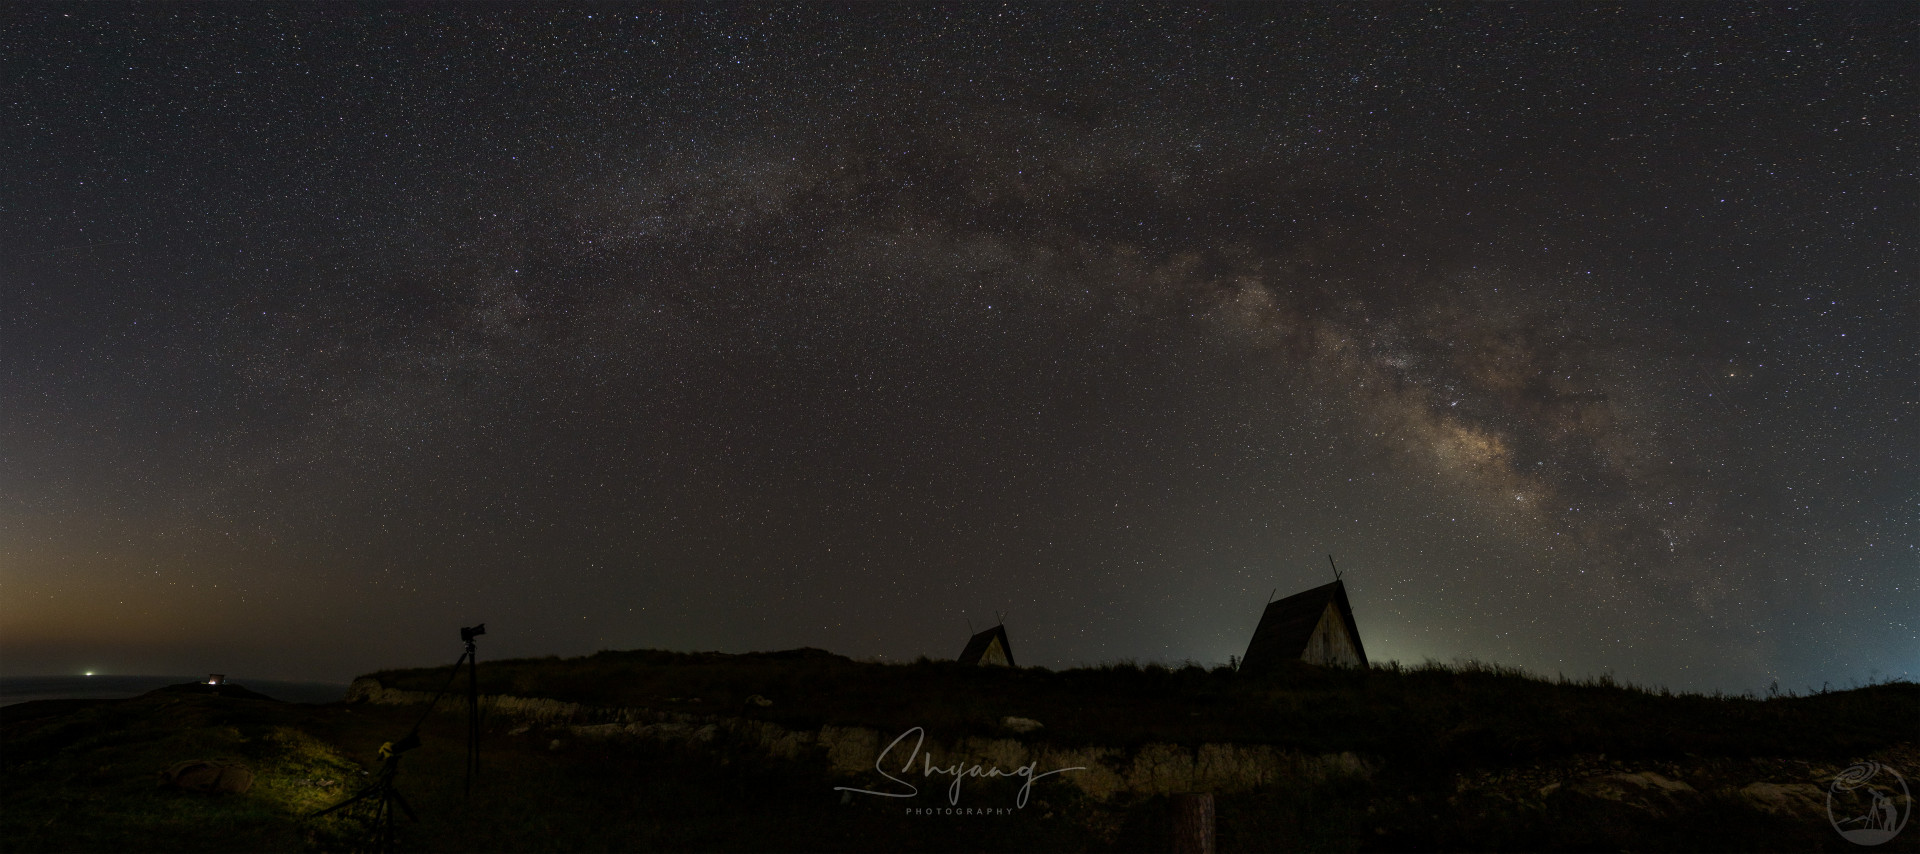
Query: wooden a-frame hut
x=1315, y=627
x=989, y=648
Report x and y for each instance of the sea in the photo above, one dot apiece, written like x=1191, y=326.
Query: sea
x=22, y=689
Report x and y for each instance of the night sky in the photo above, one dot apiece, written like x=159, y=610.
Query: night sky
x=1585, y=338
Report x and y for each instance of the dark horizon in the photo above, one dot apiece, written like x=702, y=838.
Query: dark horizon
x=1586, y=339
x=24, y=689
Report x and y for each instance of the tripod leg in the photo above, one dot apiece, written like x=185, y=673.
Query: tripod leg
x=359, y=796
x=473, y=718
x=401, y=801
x=341, y=805
x=386, y=822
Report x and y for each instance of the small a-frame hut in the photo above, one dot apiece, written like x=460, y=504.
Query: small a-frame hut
x=989, y=648
x=1315, y=627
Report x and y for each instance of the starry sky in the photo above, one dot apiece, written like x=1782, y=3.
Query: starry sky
x=1586, y=338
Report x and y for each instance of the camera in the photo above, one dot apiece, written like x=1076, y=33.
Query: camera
x=468, y=634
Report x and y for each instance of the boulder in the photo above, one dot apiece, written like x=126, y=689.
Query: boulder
x=1020, y=725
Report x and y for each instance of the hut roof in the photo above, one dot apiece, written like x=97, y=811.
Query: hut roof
x=1288, y=624
x=978, y=645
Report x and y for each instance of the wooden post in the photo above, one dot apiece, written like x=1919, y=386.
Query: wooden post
x=1193, y=823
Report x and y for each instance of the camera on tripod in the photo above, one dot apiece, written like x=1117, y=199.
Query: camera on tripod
x=380, y=792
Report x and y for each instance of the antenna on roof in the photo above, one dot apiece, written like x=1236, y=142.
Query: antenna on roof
x=1001, y=617
x=970, y=626
x=1276, y=591
x=1336, y=567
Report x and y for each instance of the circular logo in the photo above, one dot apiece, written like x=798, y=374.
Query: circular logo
x=1869, y=803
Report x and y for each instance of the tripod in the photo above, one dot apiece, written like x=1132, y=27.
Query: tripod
x=381, y=791
x=473, y=700
x=472, y=660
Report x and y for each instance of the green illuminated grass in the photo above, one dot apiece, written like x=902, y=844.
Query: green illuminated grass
x=89, y=779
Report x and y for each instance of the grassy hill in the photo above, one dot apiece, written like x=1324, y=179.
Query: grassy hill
x=1465, y=757
x=1459, y=716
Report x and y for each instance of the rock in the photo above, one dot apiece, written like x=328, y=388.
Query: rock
x=1645, y=791
x=597, y=730
x=556, y=745
x=1020, y=725
x=200, y=775
x=757, y=700
x=1785, y=798
x=670, y=730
